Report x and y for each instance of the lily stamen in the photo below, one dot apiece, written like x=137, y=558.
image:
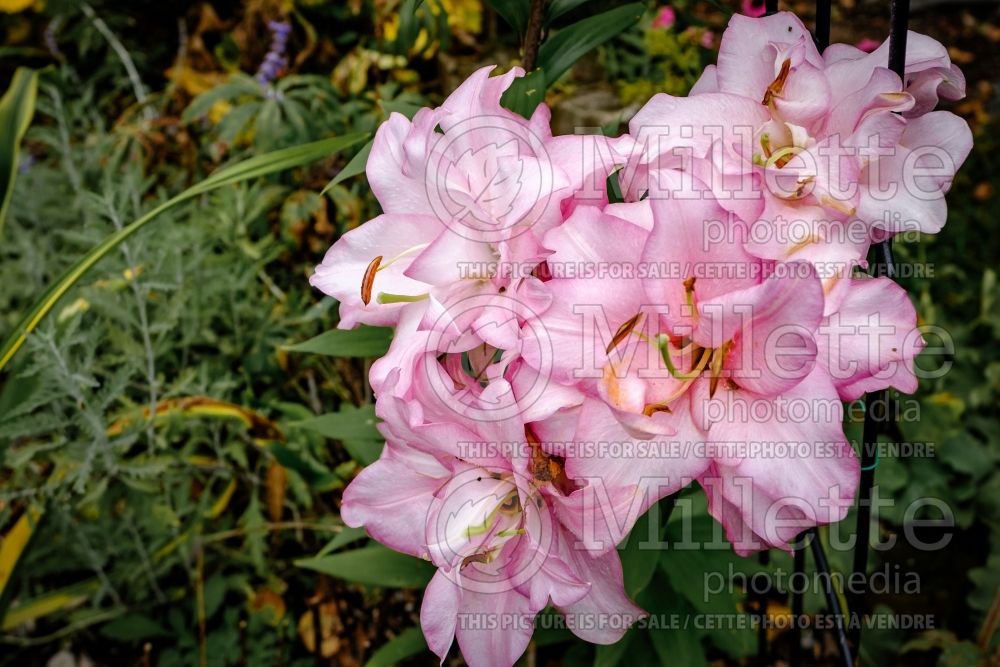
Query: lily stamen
x=782, y=156
x=388, y=297
x=409, y=251
x=688, y=378
x=368, y=280
x=623, y=332
x=778, y=85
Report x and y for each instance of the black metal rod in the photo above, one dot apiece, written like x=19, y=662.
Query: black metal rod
x=822, y=33
x=876, y=411
x=899, y=17
x=899, y=24
x=832, y=600
x=799, y=569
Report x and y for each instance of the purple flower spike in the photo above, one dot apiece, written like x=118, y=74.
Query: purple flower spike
x=275, y=59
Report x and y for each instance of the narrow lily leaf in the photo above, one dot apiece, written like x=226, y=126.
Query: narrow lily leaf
x=407, y=643
x=559, y=7
x=639, y=559
x=514, y=12
x=353, y=168
x=254, y=167
x=525, y=93
x=562, y=50
x=342, y=539
x=361, y=342
x=375, y=566
x=16, y=109
x=365, y=452
x=610, y=655
x=349, y=423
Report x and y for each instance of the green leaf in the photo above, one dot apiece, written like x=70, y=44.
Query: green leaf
x=353, y=168
x=239, y=85
x=407, y=108
x=514, y=12
x=375, y=566
x=313, y=473
x=550, y=634
x=881, y=645
x=133, y=628
x=673, y=645
x=365, y=452
x=639, y=558
x=966, y=455
x=559, y=7
x=361, y=342
x=561, y=51
x=614, y=187
x=525, y=93
x=609, y=655
x=349, y=423
x=215, y=594
x=987, y=582
x=409, y=27
x=962, y=654
x=16, y=109
x=16, y=393
x=255, y=533
x=407, y=643
x=342, y=539
x=254, y=167
x=694, y=573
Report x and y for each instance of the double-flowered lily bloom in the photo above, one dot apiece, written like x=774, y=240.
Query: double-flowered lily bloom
x=463, y=188
x=725, y=355
x=483, y=502
x=818, y=153
x=562, y=359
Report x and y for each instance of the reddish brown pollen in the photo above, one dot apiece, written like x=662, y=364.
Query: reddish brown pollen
x=545, y=467
x=623, y=331
x=653, y=408
x=368, y=281
x=774, y=90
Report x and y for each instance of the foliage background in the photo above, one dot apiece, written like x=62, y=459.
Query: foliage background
x=190, y=538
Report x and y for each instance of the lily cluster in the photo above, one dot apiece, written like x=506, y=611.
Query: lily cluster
x=585, y=325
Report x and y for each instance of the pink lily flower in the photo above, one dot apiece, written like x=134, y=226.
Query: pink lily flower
x=486, y=520
x=809, y=144
x=461, y=187
x=560, y=363
x=703, y=344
